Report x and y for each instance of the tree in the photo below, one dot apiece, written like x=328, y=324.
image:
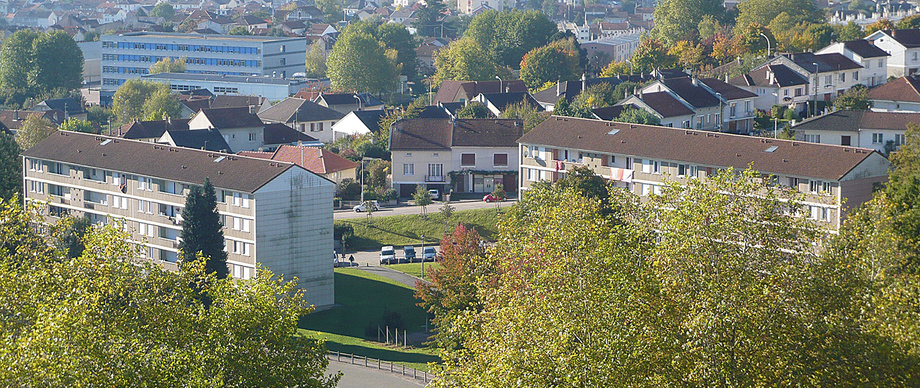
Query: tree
x=677, y=20
x=10, y=167
x=452, y=291
x=33, y=130
x=201, y=231
x=583, y=181
x=428, y=19
x=395, y=36
x=849, y=31
x=332, y=10
x=99, y=116
x=614, y=69
x=142, y=99
x=77, y=125
x=525, y=112
x=881, y=24
x=58, y=63
x=168, y=65
x=467, y=61
x=637, y=116
x=127, y=323
x=359, y=61
x=687, y=54
x=597, y=96
x=474, y=110
x=763, y=12
x=908, y=23
x=16, y=61
x=422, y=198
x=550, y=63
x=507, y=36
x=856, y=98
x=162, y=103
x=163, y=10
x=316, y=60
x=239, y=30
x=651, y=54
x=71, y=232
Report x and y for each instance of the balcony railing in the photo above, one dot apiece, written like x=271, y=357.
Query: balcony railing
x=434, y=178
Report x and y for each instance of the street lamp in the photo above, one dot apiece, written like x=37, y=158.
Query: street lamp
x=501, y=88
x=423, y=256
x=359, y=101
x=721, y=113
x=815, y=106
x=768, y=43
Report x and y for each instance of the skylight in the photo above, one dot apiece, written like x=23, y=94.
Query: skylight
x=613, y=132
x=771, y=149
x=218, y=160
x=107, y=141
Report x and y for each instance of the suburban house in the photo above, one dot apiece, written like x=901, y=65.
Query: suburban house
x=244, y=131
x=275, y=214
x=358, y=123
x=632, y=155
x=499, y=102
x=904, y=48
x=327, y=164
x=202, y=139
x=881, y=131
x=828, y=74
x=463, y=91
x=150, y=131
x=347, y=102
x=71, y=107
x=463, y=155
x=671, y=112
x=13, y=119
x=716, y=105
x=305, y=116
x=899, y=95
x=873, y=59
x=775, y=85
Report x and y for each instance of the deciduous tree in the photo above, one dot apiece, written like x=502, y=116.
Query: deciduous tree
x=637, y=116
x=764, y=11
x=465, y=60
x=507, y=36
x=168, y=65
x=422, y=198
x=201, y=231
x=474, y=110
x=10, y=167
x=33, y=130
x=163, y=10
x=316, y=59
x=360, y=62
x=677, y=20
x=77, y=125
x=525, y=112
x=550, y=63
x=856, y=98
x=139, y=99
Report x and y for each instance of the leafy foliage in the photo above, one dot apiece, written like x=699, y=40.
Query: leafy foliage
x=163, y=10
x=550, y=63
x=763, y=12
x=33, y=130
x=466, y=60
x=422, y=198
x=168, y=65
x=10, y=167
x=679, y=19
x=360, y=62
x=507, y=36
x=637, y=116
x=316, y=59
x=526, y=112
x=650, y=55
x=474, y=110
x=77, y=125
x=34, y=64
x=202, y=234
x=139, y=99
x=856, y=98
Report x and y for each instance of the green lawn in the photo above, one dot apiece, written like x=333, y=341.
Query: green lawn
x=361, y=300
x=415, y=269
x=408, y=229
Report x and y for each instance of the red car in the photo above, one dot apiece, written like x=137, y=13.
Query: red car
x=492, y=198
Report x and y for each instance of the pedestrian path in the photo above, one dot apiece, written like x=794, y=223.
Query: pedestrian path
x=393, y=274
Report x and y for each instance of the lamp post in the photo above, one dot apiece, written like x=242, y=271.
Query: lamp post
x=423, y=257
x=501, y=88
x=815, y=106
x=359, y=101
x=768, y=43
x=721, y=113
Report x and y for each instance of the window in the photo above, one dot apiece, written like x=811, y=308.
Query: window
x=785, y=92
x=468, y=159
x=914, y=56
x=435, y=170
x=646, y=165
x=813, y=138
x=898, y=140
x=252, y=136
x=798, y=92
x=880, y=63
x=827, y=80
x=656, y=167
x=844, y=140
x=747, y=107
x=843, y=77
x=699, y=122
x=408, y=154
x=35, y=165
x=682, y=169
x=58, y=168
x=856, y=76
x=57, y=190
x=36, y=187
x=731, y=110
x=144, y=183
x=144, y=206
x=646, y=189
x=500, y=160
x=146, y=229
x=116, y=179
x=878, y=138
x=246, y=224
x=533, y=175
x=408, y=169
x=815, y=186
x=119, y=202
x=241, y=248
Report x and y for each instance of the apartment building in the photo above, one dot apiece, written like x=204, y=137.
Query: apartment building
x=466, y=156
x=272, y=88
x=641, y=158
x=828, y=74
x=129, y=56
x=714, y=105
x=881, y=131
x=775, y=85
x=275, y=214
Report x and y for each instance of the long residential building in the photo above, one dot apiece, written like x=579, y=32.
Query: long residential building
x=129, y=56
x=642, y=158
x=275, y=214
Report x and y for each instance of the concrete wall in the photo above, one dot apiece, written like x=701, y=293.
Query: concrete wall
x=294, y=235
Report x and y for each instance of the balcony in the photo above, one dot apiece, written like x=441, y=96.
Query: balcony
x=434, y=178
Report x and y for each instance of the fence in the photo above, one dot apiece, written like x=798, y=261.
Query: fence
x=381, y=365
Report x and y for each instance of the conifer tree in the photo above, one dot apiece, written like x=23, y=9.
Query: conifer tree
x=201, y=230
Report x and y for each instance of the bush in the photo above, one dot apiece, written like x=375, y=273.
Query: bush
x=777, y=111
x=348, y=189
x=790, y=115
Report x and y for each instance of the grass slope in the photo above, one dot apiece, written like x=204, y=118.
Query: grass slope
x=408, y=229
x=415, y=269
x=361, y=300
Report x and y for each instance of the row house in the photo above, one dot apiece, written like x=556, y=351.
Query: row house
x=775, y=85
x=462, y=155
x=714, y=105
x=828, y=75
x=274, y=214
x=881, y=131
x=831, y=178
x=873, y=59
x=305, y=116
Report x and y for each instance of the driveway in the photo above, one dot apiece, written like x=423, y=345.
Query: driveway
x=406, y=208
x=354, y=376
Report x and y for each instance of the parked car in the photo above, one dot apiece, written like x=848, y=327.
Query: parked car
x=429, y=254
x=435, y=194
x=492, y=198
x=409, y=253
x=387, y=255
x=363, y=206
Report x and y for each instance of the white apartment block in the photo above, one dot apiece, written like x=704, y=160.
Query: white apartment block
x=272, y=88
x=641, y=158
x=275, y=214
x=129, y=56
x=904, y=48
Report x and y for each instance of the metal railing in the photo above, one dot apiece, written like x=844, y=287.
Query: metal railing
x=368, y=362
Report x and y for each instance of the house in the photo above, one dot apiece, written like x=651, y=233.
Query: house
x=151, y=131
x=275, y=214
x=716, y=105
x=605, y=50
x=904, y=48
x=468, y=7
x=347, y=102
x=71, y=107
x=899, y=95
x=831, y=178
x=775, y=85
x=498, y=102
x=873, y=59
x=828, y=74
x=671, y=112
x=463, y=155
x=319, y=161
x=13, y=119
x=305, y=116
x=569, y=89
x=257, y=103
x=462, y=91
x=241, y=129
x=201, y=139
x=881, y=131
x=358, y=123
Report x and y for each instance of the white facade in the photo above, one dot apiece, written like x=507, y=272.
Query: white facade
x=350, y=125
x=129, y=56
x=895, y=106
x=875, y=70
x=274, y=89
x=468, y=6
x=903, y=60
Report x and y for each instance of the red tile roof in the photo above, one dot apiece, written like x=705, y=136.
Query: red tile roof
x=315, y=159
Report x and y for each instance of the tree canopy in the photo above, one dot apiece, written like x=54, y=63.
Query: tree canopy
x=855, y=98
x=77, y=125
x=551, y=63
x=34, y=64
x=763, y=12
x=168, y=65
x=33, y=130
x=10, y=167
x=637, y=116
x=139, y=99
x=507, y=36
x=360, y=62
x=466, y=60
x=163, y=10
x=679, y=19
x=474, y=110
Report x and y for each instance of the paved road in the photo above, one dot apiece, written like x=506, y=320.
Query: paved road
x=404, y=208
x=354, y=376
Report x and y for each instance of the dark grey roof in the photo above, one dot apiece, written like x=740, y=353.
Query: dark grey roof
x=279, y=133
x=695, y=95
x=69, y=105
x=665, y=104
x=728, y=91
x=200, y=139
x=298, y=109
x=909, y=38
x=225, y=118
x=152, y=129
x=864, y=49
x=442, y=134
x=227, y=101
x=826, y=62
x=348, y=99
x=795, y=158
x=570, y=89
x=370, y=118
x=502, y=100
x=433, y=112
x=782, y=75
x=159, y=161
x=850, y=120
